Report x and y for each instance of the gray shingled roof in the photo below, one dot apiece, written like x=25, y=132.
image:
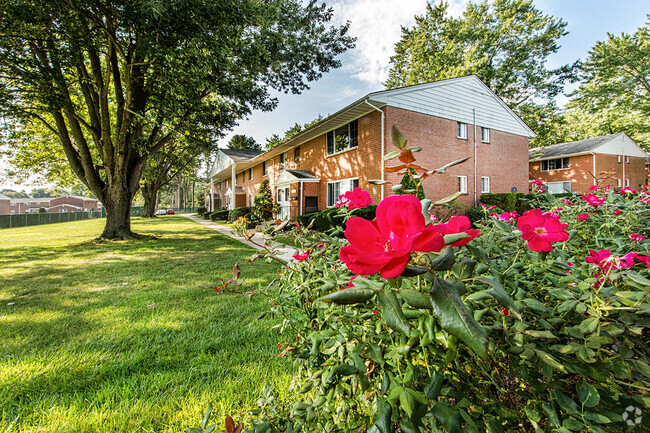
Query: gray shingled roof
x=302, y=174
x=4, y=197
x=571, y=148
x=241, y=155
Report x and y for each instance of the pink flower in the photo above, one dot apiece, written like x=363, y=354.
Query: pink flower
x=617, y=212
x=504, y=311
x=583, y=216
x=385, y=245
x=594, y=188
x=303, y=256
x=594, y=200
x=540, y=230
x=644, y=259
x=569, y=264
x=505, y=216
x=350, y=284
x=645, y=200
x=458, y=224
x=566, y=201
x=551, y=213
x=355, y=199
x=607, y=261
x=636, y=237
x=626, y=190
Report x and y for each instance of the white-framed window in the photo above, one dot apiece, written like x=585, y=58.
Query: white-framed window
x=619, y=183
x=461, y=130
x=13, y=211
x=462, y=184
x=343, y=138
x=263, y=168
x=627, y=183
x=335, y=189
x=283, y=159
x=485, y=184
x=250, y=173
x=557, y=187
x=627, y=159
x=556, y=164
x=485, y=135
x=296, y=155
x=619, y=158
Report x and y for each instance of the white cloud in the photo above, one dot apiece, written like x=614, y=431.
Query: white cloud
x=377, y=26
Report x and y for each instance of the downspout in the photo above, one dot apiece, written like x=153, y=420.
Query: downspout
x=301, y=198
x=383, y=120
x=232, y=189
x=475, y=164
x=623, y=184
x=211, y=194
x=593, y=170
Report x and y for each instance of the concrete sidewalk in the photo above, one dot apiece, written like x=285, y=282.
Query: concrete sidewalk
x=285, y=252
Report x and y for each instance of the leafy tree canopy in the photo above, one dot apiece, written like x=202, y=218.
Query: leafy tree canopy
x=240, y=141
x=614, y=91
x=275, y=140
x=117, y=80
x=505, y=43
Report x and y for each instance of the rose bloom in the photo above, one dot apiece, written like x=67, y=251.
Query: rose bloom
x=583, y=216
x=636, y=237
x=594, y=200
x=644, y=259
x=385, y=245
x=607, y=261
x=355, y=199
x=617, y=212
x=458, y=224
x=303, y=256
x=540, y=230
x=566, y=201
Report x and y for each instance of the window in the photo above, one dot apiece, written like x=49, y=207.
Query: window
x=462, y=184
x=485, y=135
x=264, y=168
x=619, y=158
x=556, y=164
x=627, y=183
x=343, y=138
x=296, y=155
x=627, y=159
x=485, y=185
x=619, y=183
x=250, y=173
x=557, y=187
x=283, y=157
x=335, y=189
x=461, y=130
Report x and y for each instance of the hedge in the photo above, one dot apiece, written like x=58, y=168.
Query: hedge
x=239, y=212
x=219, y=215
x=325, y=220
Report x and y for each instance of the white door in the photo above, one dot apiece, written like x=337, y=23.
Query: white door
x=283, y=201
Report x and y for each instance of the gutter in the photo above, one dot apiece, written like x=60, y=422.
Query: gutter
x=383, y=150
x=593, y=159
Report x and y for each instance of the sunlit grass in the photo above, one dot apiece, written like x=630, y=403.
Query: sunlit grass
x=125, y=336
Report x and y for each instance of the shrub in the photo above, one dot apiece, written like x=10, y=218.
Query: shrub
x=201, y=210
x=475, y=214
x=237, y=212
x=219, y=215
x=506, y=200
x=206, y=215
x=263, y=209
x=410, y=184
x=328, y=219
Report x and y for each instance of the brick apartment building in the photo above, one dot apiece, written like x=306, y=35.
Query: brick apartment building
x=569, y=166
x=15, y=206
x=449, y=119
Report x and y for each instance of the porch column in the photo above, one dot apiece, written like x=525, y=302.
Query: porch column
x=211, y=195
x=232, y=187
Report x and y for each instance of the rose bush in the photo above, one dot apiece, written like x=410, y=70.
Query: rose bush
x=538, y=324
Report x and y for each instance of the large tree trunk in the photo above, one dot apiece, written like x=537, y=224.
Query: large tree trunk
x=149, y=192
x=117, y=204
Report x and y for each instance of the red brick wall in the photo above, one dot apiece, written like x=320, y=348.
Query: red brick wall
x=582, y=165
x=5, y=207
x=503, y=160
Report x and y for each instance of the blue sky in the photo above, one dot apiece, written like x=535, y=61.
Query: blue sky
x=376, y=24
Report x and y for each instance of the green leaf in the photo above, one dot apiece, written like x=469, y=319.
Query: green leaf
x=588, y=395
x=455, y=318
x=455, y=237
x=464, y=269
x=596, y=417
x=448, y=199
x=406, y=402
x=447, y=416
x=432, y=390
x=194, y=430
x=345, y=369
x=540, y=334
x=375, y=353
x=206, y=416
x=589, y=325
x=549, y=360
x=498, y=292
x=391, y=155
x=348, y=296
x=397, y=137
x=637, y=278
x=444, y=261
x=392, y=314
x=416, y=299
x=384, y=413
x=573, y=424
x=566, y=404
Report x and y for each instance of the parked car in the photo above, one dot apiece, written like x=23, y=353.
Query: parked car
x=161, y=212
x=170, y=211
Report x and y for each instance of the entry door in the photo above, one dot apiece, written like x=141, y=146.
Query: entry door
x=283, y=201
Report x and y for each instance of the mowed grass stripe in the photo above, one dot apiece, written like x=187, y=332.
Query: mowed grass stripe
x=124, y=336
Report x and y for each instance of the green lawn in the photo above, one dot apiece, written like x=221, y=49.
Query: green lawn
x=122, y=336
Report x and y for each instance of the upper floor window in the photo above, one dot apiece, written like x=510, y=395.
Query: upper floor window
x=461, y=130
x=627, y=159
x=485, y=185
x=250, y=173
x=343, y=138
x=296, y=155
x=556, y=164
x=283, y=158
x=485, y=135
x=462, y=184
x=264, y=168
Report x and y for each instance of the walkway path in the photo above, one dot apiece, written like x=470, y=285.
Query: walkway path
x=285, y=252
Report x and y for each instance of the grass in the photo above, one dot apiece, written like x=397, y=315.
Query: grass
x=123, y=336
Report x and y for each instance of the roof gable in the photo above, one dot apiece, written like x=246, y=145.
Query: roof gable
x=613, y=144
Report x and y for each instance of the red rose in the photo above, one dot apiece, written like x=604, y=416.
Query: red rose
x=540, y=230
x=458, y=224
x=385, y=245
